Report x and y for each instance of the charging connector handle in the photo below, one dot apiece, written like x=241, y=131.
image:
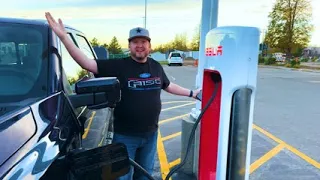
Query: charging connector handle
x=137, y=166
x=191, y=138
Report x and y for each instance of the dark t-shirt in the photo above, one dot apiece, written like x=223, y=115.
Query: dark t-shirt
x=141, y=84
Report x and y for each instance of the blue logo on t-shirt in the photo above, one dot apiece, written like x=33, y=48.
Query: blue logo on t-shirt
x=145, y=75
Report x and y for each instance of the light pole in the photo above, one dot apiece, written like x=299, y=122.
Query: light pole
x=209, y=20
x=145, y=13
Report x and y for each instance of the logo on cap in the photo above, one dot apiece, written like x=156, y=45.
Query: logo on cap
x=138, y=30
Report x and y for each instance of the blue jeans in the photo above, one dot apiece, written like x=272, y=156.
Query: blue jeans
x=142, y=150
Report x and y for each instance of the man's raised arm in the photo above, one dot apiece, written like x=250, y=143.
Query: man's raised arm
x=74, y=51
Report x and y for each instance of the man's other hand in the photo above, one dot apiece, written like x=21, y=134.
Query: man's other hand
x=196, y=92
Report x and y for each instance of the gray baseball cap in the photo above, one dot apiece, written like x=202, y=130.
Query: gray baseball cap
x=139, y=32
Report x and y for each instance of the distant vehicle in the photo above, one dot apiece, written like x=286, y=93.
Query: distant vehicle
x=45, y=100
x=280, y=57
x=175, y=58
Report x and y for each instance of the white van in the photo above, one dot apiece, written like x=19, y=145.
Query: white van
x=175, y=58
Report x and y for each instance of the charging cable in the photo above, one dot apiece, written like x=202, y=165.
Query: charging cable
x=136, y=165
x=191, y=138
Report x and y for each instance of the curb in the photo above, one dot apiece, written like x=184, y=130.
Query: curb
x=292, y=69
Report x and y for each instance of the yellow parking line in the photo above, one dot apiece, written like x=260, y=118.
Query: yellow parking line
x=266, y=157
x=303, y=156
x=289, y=147
x=101, y=141
x=172, y=102
x=86, y=130
x=164, y=165
x=175, y=162
x=268, y=134
x=171, y=136
x=173, y=118
x=174, y=107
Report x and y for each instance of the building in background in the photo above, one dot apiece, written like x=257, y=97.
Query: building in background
x=311, y=52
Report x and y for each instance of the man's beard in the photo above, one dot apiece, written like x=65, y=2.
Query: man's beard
x=140, y=57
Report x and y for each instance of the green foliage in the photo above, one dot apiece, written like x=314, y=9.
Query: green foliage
x=72, y=80
x=269, y=61
x=297, y=51
x=80, y=74
x=304, y=60
x=114, y=46
x=261, y=59
x=195, y=43
x=289, y=27
x=314, y=59
x=181, y=43
x=163, y=48
x=294, y=63
x=94, y=42
x=105, y=45
x=163, y=62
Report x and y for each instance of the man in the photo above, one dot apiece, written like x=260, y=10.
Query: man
x=142, y=79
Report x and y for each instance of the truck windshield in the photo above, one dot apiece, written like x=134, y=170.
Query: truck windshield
x=23, y=67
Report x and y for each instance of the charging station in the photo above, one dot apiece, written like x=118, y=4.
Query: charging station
x=230, y=68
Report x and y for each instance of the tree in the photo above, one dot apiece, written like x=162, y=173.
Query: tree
x=80, y=74
x=289, y=28
x=94, y=42
x=180, y=42
x=114, y=46
x=195, y=43
x=164, y=48
x=105, y=45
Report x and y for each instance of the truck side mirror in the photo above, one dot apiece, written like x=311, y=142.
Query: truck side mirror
x=96, y=93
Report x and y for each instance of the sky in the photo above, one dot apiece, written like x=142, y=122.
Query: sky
x=104, y=19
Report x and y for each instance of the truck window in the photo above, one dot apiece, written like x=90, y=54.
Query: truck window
x=23, y=68
x=175, y=55
x=84, y=46
x=72, y=71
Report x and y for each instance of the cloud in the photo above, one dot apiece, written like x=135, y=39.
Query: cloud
x=105, y=12
x=165, y=18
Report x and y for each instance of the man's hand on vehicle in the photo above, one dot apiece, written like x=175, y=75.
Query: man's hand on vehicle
x=58, y=28
x=74, y=51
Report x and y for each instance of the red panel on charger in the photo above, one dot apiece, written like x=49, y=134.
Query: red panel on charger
x=209, y=131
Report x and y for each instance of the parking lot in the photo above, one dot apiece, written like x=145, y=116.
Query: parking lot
x=285, y=143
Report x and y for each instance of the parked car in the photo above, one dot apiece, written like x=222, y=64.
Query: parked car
x=175, y=58
x=45, y=99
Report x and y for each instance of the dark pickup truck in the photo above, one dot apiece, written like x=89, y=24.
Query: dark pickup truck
x=46, y=99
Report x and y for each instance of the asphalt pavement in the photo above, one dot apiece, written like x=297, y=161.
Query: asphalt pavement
x=96, y=128
x=287, y=113
x=285, y=143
